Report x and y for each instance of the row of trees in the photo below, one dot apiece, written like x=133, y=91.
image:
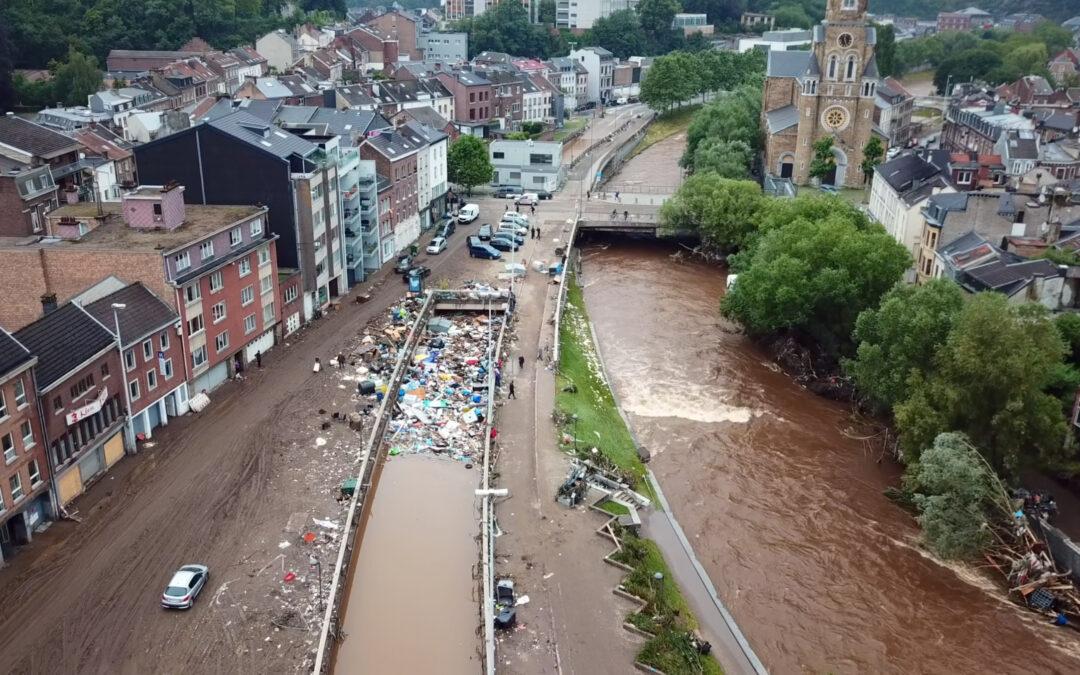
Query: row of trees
x=993, y=56
x=676, y=78
x=725, y=134
x=954, y=371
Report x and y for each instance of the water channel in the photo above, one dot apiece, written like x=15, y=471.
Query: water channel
x=780, y=497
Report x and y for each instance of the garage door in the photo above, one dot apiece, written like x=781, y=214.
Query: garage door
x=153, y=414
x=212, y=378
x=114, y=449
x=69, y=485
x=263, y=343
x=92, y=464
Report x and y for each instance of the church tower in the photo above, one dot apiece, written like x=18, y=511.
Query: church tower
x=834, y=94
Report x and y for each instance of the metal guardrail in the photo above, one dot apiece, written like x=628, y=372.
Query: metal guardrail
x=560, y=301
x=368, y=463
x=487, y=521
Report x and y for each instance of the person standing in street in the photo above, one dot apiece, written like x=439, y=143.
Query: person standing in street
x=258, y=359
x=521, y=362
x=511, y=391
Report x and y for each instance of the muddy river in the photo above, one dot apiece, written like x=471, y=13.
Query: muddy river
x=411, y=607
x=781, y=498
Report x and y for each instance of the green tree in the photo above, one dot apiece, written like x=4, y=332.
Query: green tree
x=815, y=275
x=885, y=49
x=721, y=211
x=1068, y=325
x=989, y=381
x=1027, y=60
x=727, y=159
x=898, y=339
x=656, y=17
x=731, y=116
x=716, y=11
x=7, y=80
x=77, y=78
x=873, y=151
x=671, y=80
x=958, y=498
x=620, y=33
x=966, y=65
x=505, y=28
x=547, y=12
x=468, y=163
x=792, y=16
x=823, y=163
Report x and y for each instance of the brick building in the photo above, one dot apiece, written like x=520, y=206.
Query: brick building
x=24, y=475
x=473, y=100
x=401, y=27
x=396, y=159
x=80, y=397
x=33, y=160
x=828, y=92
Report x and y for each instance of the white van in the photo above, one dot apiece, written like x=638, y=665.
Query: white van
x=468, y=213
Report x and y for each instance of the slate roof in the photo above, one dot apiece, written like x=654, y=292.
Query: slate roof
x=428, y=116
x=33, y=138
x=12, y=354
x=144, y=315
x=1021, y=148
x=782, y=118
x=354, y=94
x=393, y=145
x=902, y=172
x=1010, y=277
x=63, y=341
x=262, y=134
x=788, y=63
x=422, y=134
x=1059, y=121
x=264, y=110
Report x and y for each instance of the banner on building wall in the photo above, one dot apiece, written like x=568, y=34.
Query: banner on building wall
x=91, y=408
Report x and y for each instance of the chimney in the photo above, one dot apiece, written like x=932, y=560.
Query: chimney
x=389, y=55
x=155, y=207
x=48, y=303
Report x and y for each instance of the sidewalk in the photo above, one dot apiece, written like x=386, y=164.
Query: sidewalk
x=573, y=622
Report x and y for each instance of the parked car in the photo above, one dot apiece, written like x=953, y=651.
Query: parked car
x=437, y=246
x=506, y=193
x=515, y=270
x=544, y=194
x=514, y=228
x=478, y=249
x=185, y=586
x=528, y=199
x=485, y=232
x=503, y=244
x=404, y=264
x=516, y=237
x=418, y=271
x=515, y=217
x=446, y=228
x=468, y=213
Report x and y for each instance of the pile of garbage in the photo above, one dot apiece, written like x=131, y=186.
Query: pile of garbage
x=442, y=402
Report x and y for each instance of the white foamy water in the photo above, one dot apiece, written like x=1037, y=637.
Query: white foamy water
x=684, y=403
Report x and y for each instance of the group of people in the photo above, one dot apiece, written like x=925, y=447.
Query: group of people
x=615, y=214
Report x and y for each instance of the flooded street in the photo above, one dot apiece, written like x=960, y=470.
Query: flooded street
x=411, y=607
x=782, y=499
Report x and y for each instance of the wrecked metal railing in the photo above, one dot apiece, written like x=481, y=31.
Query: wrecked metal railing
x=487, y=517
x=368, y=463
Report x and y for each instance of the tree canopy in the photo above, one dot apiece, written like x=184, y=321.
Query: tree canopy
x=506, y=28
x=722, y=211
x=620, y=33
x=989, y=381
x=467, y=163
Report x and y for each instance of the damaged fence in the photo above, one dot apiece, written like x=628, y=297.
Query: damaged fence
x=373, y=454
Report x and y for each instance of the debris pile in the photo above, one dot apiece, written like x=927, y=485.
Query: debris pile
x=442, y=402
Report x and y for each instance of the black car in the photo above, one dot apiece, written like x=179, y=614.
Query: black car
x=503, y=244
x=446, y=229
x=504, y=192
x=418, y=271
x=543, y=194
x=485, y=232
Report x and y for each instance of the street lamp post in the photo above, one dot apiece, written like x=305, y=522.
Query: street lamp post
x=314, y=562
x=129, y=431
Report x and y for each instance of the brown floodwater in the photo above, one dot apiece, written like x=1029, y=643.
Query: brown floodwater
x=782, y=499
x=411, y=607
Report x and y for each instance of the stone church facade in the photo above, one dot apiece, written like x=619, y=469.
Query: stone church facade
x=827, y=91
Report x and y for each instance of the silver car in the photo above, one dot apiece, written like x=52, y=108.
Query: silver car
x=185, y=586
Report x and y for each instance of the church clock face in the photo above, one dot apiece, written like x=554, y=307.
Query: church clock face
x=834, y=118
x=845, y=40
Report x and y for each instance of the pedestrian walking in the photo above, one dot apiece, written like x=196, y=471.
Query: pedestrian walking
x=617, y=197
x=588, y=194
x=533, y=207
x=626, y=215
x=258, y=359
x=521, y=362
x=507, y=208
x=511, y=392
x=340, y=360
x=517, y=207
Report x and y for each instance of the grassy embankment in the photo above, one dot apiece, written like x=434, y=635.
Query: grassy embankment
x=666, y=614
x=572, y=125
x=665, y=126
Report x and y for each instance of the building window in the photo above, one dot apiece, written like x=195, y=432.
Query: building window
x=249, y=324
x=221, y=342
x=206, y=250
x=27, y=431
x=848, y=4
x=58, y=405
x=195, y=324
x=168, y=369
x=216, y=282
x=850, y=74
x=245, y=267
x=133, y=390
x=182, y=261
x=268, y=313
x=266, y=284
x=164, y=340
x=832, y=67
x=247, y=296
x=8, y=443
x=3, y=406
x=218, y=312
x=198, y=357
x=498, y=155
x=15, y=482
x=148, y=350
x=151, y=380
x=236, y=237
x=129, y=360
x=104, y=371
x=20, y=393
x=290, y=294
x=256, y=227
x=264, y=256
x=192, y=292
x=35, y=474
x=963, y=177
x=157, y=209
